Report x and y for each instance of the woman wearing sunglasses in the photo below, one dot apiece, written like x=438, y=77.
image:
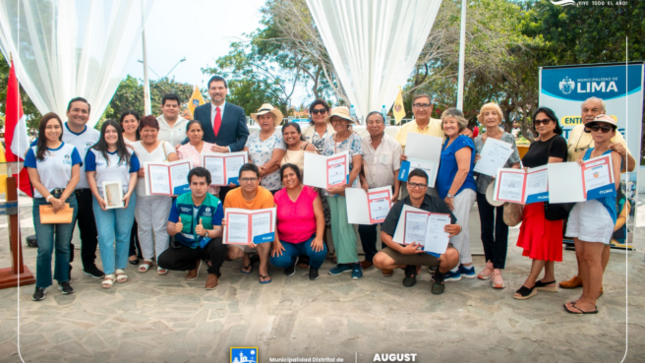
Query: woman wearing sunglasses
x=591, y=223
x=540, y=238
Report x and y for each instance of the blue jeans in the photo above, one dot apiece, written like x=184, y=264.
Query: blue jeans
x=114, y=225
x=52, y=236
x=293, y=250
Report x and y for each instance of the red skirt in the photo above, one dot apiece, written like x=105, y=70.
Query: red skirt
x=540, y=238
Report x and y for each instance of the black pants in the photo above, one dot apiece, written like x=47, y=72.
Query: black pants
x=185, y=258
x=135, y=247
x=368, y=240
x=494, y=231
x=87, y=226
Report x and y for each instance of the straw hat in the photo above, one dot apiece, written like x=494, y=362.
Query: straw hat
x=342, y=112
x=268, y=108
x=490, y=192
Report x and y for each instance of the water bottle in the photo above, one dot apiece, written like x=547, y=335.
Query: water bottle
x=352, y=112
x=384, y=113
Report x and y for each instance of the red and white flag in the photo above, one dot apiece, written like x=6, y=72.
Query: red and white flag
x=15, y=135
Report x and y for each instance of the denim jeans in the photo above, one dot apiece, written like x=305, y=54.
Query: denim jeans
x=293, y=250
x=50, y=237
x=114, y=225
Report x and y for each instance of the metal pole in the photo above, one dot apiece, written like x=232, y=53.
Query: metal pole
x=147, y=104
x=462, y=54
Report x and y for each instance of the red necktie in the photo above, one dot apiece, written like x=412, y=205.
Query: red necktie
x=217, y=122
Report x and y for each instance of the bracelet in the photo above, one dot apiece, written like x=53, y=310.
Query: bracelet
x=47, y=199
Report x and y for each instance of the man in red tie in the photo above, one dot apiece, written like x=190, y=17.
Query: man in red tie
x=224, y=123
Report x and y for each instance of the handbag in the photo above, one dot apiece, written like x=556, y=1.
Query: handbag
x=513, y=214
x=559, y=211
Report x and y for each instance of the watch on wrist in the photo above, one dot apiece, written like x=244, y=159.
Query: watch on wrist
x=450, y=195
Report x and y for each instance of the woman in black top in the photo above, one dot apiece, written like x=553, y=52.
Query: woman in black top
x=541, y=238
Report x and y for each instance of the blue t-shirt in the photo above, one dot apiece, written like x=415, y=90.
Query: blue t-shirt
x=55, y=170
x=448, y=167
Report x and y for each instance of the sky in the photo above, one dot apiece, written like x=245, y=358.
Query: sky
x=198, y=30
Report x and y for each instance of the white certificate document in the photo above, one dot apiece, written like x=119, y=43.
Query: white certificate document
x=214, y=164
x=430, y=167
x=423, y=147
x=415, y=227
x=358, y=204
x=178, y=171
x=336, y=171
x=232, y=164
x=317, y=170
x=436, y=237
x=157, y=179
x=237, y=228
x=399, y=232
x=261, y=223
x=509, y=186
x=565, y=183
x=536, y=180
x=596, y=173
x=494, y=156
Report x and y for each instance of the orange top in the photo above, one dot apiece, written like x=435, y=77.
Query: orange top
x=263, y=199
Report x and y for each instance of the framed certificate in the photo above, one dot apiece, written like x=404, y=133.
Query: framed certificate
x=167, y=178
x=225, y=168
x=244, y=226
x=113, y=194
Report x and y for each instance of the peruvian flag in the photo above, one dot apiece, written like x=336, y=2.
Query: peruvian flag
x=15, y=135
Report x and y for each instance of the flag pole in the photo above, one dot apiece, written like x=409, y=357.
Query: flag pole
x=462, y=53
x=146, y=81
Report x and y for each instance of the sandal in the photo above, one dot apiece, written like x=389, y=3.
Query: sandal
x=254, y=259
x=525, y=293
x=108, y=281
x=265, y=277
x=121, y=277
x=134, y=261
x=145, y=266
x=161, y=271
x=539, y=285
x=579, y=311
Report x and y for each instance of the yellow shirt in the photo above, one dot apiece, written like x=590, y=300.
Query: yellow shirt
x=433, y=129
x=579, y=141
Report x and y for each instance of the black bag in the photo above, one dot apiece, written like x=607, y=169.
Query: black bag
x=556, y=212
x=559, y=211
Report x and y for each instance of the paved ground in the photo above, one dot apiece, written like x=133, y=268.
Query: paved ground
x=165, y=319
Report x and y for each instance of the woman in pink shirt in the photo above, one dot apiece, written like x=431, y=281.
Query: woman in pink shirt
x=195, y=148
x=300, y=223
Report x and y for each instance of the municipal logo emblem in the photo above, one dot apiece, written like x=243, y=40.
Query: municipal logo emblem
x=398, y=107
x=567, y=85
x=208, y=209
x=244, y=355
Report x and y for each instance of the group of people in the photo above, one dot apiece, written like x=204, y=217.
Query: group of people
x=69, y=163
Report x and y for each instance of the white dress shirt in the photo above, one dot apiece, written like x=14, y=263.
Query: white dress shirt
x=214, y=112
x=380, y=164
x=175, y=134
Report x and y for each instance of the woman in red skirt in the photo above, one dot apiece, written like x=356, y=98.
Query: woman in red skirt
x=540, y=238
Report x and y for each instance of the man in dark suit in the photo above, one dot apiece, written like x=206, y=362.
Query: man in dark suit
x=224, y=123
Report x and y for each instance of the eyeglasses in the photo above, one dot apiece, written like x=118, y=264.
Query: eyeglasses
x=544, y=122
x=421, y=105
x=596, y=128
x=248, y=180
x=417, y=185
x=319, y=112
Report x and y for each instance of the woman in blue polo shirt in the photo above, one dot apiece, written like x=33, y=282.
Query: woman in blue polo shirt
x=111, y=161
x=54, y=170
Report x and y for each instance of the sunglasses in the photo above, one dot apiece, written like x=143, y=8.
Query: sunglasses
x=544, y=122
x=319, y=112
x=596, y=128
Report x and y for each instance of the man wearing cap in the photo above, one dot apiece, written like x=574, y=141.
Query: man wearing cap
x=381, y=163
x=579, y=142
x=224, y=123
x=195, y=221
x=409, y=257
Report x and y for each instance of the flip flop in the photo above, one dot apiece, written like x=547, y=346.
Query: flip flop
x=264, y=277
x=579, y=311
x=254, y=259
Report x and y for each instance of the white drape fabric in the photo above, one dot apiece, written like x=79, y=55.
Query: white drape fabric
x=69, y=48
x=373, y=44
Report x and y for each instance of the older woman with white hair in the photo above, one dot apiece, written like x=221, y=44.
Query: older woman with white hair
x=266, y=147
x=456, y=185
x=494, y=232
